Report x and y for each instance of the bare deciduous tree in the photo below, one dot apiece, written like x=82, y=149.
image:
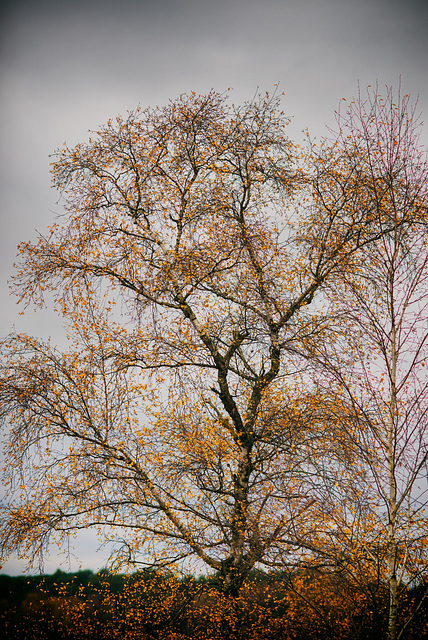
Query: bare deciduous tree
x=188, y=424
x=375, y=368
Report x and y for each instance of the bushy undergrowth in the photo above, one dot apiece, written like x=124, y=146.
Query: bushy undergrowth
x=148, y=606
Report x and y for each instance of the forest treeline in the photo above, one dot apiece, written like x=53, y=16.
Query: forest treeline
x=299, y=605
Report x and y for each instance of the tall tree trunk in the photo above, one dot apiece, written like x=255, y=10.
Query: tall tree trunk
x=392, y=497
x=236, y=567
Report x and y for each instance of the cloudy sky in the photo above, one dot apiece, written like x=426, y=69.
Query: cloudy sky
x=66, y=67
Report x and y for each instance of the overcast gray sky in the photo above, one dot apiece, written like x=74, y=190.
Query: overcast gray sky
x=67, y=67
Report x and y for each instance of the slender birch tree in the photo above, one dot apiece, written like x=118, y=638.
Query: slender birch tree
x=376, y=368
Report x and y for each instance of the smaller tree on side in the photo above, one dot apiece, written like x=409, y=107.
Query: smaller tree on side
x=375, y=370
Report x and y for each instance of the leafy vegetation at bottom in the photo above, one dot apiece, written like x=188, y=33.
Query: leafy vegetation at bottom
x=151, y=606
